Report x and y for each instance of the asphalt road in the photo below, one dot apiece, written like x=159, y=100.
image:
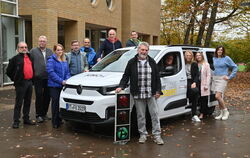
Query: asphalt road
x=183, y=139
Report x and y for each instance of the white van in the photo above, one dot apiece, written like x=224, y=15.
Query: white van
x=90, y=97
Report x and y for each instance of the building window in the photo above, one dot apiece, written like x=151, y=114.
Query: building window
x=109, y=3
x=8, y=7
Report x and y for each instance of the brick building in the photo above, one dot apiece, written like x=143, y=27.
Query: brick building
x=65, y=20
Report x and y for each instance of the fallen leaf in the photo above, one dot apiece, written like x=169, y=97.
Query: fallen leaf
x=40, y=148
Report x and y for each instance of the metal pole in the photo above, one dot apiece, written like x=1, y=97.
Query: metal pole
x=1, y=52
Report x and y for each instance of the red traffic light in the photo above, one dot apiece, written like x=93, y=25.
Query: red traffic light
x=123, y=100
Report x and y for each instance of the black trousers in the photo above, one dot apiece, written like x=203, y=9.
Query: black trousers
x=193, y=95
x=23, y=96
x=55, y=94
x=203, y=103
x=42, y=97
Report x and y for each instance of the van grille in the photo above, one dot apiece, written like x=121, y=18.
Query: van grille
x=85, y=102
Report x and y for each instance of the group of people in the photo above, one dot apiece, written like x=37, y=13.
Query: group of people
x=48, y=72
x=199, y=78
x=145, y=85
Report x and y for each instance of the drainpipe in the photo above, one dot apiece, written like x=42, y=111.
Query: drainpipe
x=1, y=53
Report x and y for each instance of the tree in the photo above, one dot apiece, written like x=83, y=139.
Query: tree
x=196, y=19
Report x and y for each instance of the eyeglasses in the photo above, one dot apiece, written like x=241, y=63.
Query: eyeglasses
x=22, y=47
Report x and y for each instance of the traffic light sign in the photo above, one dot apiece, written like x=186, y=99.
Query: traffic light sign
x=122, y=133
x=122, y=117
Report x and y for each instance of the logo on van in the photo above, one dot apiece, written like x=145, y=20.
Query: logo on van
x=79, y=89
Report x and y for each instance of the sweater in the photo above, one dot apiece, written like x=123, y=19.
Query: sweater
x=38, y=62
x=221, y=66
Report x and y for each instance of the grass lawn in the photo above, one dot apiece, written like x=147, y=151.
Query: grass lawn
x=241, y=68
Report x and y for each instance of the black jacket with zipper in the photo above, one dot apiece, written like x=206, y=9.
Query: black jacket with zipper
x=131, y=74
x=15, y=69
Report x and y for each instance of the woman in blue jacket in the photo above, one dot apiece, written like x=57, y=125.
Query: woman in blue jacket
x=58, y=73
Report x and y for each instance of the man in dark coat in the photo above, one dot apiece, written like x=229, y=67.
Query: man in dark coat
x=20, y=71
x=145, y=87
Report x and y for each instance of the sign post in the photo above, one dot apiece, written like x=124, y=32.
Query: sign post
x=122, y=118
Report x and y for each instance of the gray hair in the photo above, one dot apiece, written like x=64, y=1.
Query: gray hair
x=43, y=37
x=143, y=44
x=19, y=44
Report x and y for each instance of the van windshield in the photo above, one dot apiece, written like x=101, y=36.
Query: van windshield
x=117, y=60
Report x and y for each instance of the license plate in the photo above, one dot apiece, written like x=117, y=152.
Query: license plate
x=76, y=107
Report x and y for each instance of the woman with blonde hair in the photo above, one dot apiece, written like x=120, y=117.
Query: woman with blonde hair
x=222, y=63
x=205, y=78
x=58, y=73
x=192, y=82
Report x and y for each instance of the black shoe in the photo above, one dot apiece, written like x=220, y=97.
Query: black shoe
x=46, y=118
x=39, y=119
x=15, y=125
x=55, y=126
x=29, y=122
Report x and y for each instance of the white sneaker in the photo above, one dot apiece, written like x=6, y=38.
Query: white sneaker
x=225, y=115
x=195, y=118
x=142, y=139
x=159, y=141
x=219, y=116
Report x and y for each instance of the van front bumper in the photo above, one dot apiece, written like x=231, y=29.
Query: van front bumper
x=88, y=117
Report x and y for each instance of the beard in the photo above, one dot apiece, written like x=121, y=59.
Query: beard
x=142, y=56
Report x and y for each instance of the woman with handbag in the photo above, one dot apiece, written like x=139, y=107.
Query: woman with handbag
x=192, y=82
x=205, y=78
x=222, y=63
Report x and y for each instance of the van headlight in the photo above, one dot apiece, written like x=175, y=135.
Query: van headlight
x=107, y=90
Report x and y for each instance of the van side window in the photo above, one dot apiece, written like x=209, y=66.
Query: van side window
x=170, y=64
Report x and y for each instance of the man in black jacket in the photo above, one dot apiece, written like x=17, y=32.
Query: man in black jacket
x=145, y=86
x=110, y=44
x=20, y=70
x=39, y=55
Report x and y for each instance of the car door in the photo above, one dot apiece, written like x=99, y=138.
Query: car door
x=173, y=100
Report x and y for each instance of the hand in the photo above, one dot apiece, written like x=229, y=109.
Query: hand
x=63, y=82
x=193, y=85
x=226, y=78
x=205, y=88
x=86, y=71
x=99, y=59
x=118, y=90
x=157, y=95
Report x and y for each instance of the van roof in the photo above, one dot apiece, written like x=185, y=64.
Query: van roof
x=161, y=47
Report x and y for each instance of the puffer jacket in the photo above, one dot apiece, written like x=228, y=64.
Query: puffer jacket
x=58, y=71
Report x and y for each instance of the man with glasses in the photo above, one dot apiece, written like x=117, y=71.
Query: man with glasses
x=90, y=52
x=77, y=60
x=39, y=55
x=20, y=71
